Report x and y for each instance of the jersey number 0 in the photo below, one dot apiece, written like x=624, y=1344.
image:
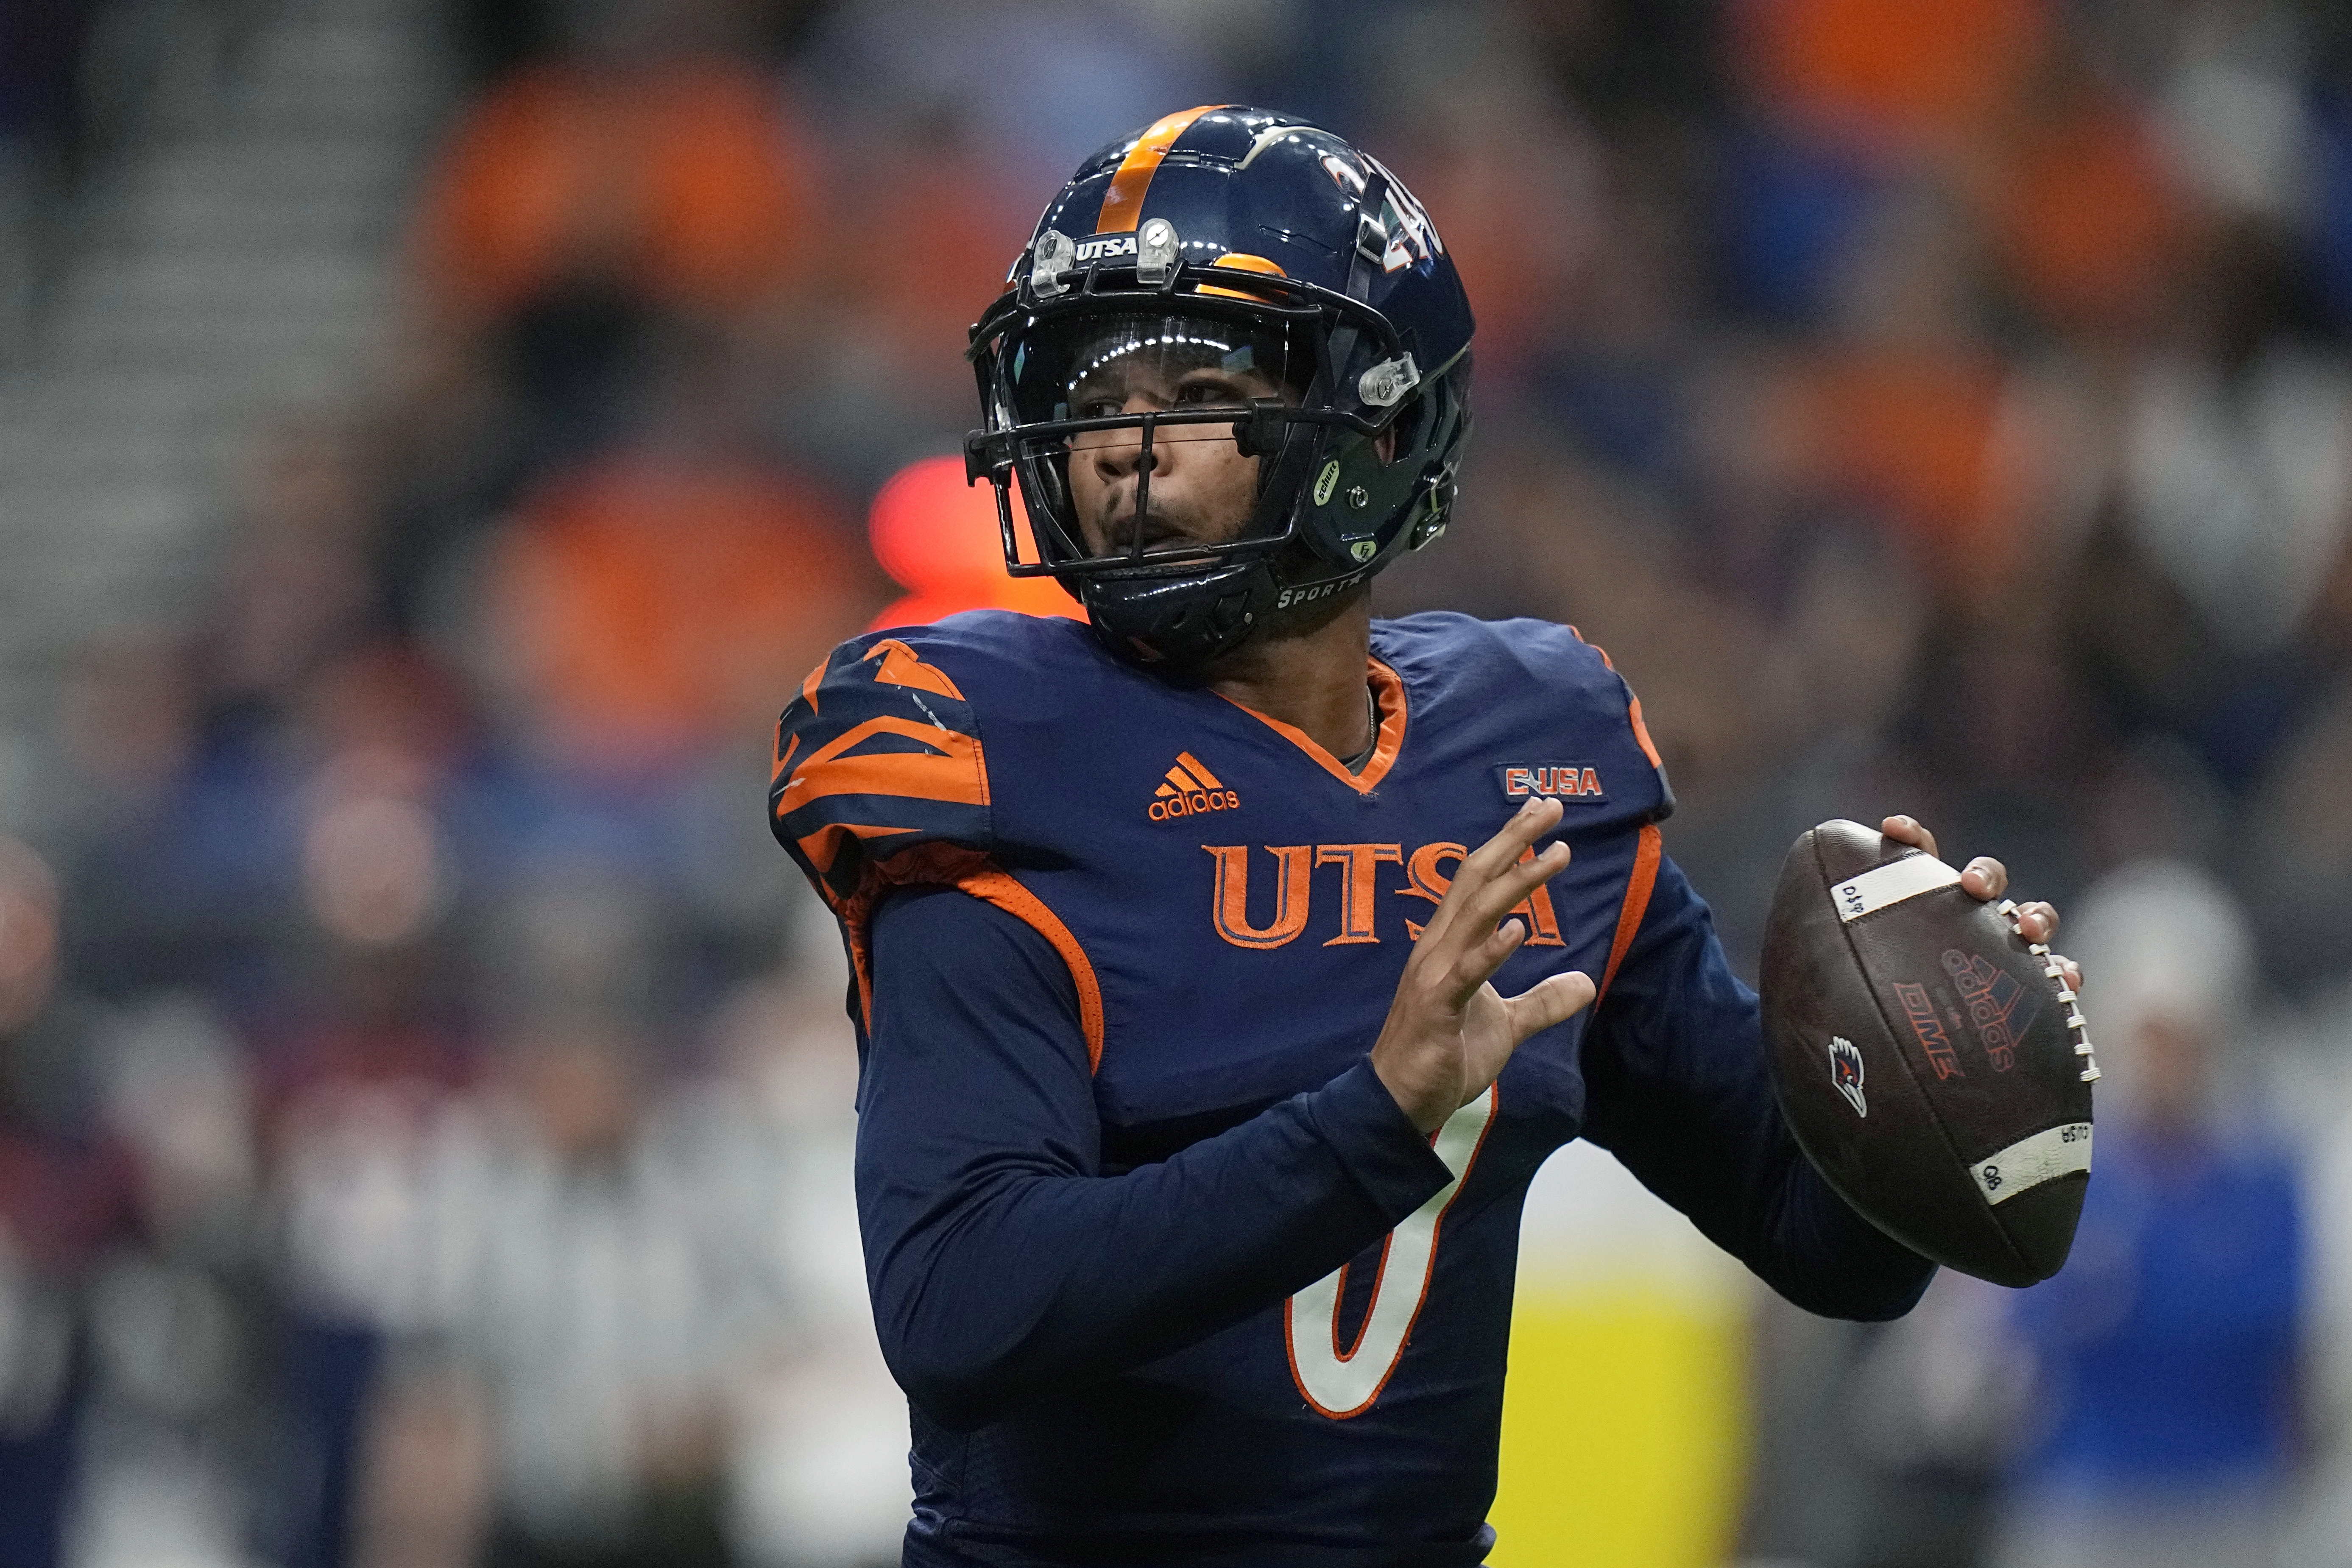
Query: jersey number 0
x=1341, y=1384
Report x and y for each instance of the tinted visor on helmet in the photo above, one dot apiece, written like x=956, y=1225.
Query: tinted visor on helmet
x=1104, y=390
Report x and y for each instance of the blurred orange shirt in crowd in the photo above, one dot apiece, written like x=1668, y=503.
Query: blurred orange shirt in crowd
x=1911, y=434
x=1516, y=193
x=641, y=608
x=2088, y=218
x=1915, y=71
x=936, y=235
x=680, y=180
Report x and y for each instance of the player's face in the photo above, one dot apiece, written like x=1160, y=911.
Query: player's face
x=1202, y=490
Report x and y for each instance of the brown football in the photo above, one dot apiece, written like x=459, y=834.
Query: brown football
x=1933, y=1066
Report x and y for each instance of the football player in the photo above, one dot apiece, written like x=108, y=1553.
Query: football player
x=1226, y=970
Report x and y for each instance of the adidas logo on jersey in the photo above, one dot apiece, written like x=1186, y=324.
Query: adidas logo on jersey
x=1189, y=790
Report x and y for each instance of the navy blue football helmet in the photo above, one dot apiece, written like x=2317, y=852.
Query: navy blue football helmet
x=1230, y=237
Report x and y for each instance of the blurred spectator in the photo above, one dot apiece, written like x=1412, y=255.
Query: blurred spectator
x=318, y=811
x=1883, y=1445
x=630, y=170
x=43, y=44
x=644, y=607
x=1914, y=74
x=2239, y=486
x=60, y=1192
x=637, y=184
x=2086, y=212
x=817, y=1464
x=298, y=589
x=349, y=1090
x=175, y=1424
x=2166, y=1352
x=601, y=1260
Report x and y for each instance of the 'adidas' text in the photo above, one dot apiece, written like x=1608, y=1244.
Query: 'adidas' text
x=1189, y=790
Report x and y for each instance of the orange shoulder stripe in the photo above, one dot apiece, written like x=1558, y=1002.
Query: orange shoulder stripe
x=902, y=666
x=952, y=771
x=1646, y=854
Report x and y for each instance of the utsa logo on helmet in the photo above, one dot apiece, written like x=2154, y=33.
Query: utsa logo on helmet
x=1273, y=244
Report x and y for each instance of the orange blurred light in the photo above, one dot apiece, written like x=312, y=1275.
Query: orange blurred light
x=938, y=538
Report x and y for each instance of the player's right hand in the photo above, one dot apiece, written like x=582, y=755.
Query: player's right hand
x=1449, y=1032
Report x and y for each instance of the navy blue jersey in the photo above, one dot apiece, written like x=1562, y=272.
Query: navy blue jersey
x=1165, y=1271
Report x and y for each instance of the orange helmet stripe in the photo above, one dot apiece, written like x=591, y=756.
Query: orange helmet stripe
x=1122, y=207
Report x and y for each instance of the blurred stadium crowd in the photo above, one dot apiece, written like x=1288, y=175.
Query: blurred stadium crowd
x=423, y=1096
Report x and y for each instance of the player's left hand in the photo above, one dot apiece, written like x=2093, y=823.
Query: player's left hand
x=1449, y=1032
x=1987, y=879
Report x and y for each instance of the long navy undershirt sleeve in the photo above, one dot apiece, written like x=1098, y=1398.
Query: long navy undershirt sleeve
x=1677, y=1090
x=1004, y=1265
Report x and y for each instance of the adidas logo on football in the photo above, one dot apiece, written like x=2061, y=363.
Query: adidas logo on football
x=1189, y=790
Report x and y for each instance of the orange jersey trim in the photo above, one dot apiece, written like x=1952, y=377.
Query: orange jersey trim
x=1388, y=696
x=1003, y=890
x=1642, y=731
x=968, y=871
x=902, y=666
x=1646, y=855
x=951, y=770
x=1122, y=207
x=1633, y=704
